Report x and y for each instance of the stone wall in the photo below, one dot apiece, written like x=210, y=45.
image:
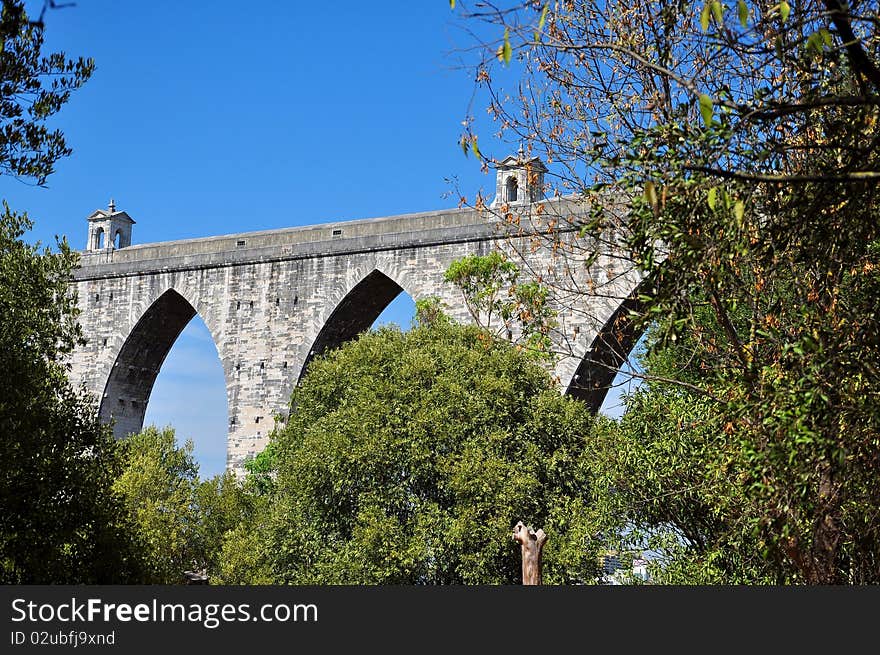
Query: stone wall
x=270, y=299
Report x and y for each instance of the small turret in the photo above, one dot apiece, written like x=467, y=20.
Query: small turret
x=109, y=229
x=519, y=180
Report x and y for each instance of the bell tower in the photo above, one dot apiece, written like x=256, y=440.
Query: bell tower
x=519, y=180
x=109, y=229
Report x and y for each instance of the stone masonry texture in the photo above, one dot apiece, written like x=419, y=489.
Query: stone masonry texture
x=274, y=299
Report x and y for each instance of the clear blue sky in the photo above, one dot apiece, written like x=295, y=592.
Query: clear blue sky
x=213, y=118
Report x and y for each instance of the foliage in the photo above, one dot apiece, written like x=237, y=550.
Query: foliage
x=683, y=468
x=408, y=458
x=180, y=521
x=240, y=556
x=666, y=483
x=497, y=300
x=222, y=504
x=61, y=523
x=261, y=470
x=35, y=87
x=740, y=139
x=157, y=483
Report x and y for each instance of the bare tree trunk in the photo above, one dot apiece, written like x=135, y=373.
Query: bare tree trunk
x=531, y=543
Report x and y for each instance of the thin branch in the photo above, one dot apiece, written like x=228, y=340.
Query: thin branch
x=835, y=101
x=687, y=84
x=853, y=177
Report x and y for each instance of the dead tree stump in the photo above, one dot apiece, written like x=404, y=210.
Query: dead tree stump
x=531, y=543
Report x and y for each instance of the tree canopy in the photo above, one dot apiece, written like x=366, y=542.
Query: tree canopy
x=730, y=149
x=61, y=521
x=35, y=87
x=409, y=457
x=178, y=520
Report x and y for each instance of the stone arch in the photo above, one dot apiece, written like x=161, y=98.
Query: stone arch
x=99, y=238
x=608, y=351
x=138, y=361
x=354, y=313
x=117, y=239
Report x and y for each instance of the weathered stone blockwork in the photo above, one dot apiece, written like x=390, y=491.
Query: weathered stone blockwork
x=270, y=299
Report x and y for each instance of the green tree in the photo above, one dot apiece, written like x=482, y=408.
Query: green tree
x=222, y=504
x=409, y=457
x=180, y=520
x=35, y=87
x=158, y=482
x=499, y=301
x=61, y=522
x=667, y=485
x=730, y=151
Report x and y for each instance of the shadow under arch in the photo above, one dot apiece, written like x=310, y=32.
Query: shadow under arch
x=607, y=353
x=354, y=314
x=134, y=372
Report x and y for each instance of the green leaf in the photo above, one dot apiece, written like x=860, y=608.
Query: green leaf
x=739, y=209
x=717, y=11
x=742, y=10
x=712, y=198
x=814, y=44
x=475, y=148
x=706, y=109
x=543, y=18
x=452, y=4
x=506, y=50
x=651, y=193
x=818, y=41
x=826, y=36
x=704, y=18
x=784, y=10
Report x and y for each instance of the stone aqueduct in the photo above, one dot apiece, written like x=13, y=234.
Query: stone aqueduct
x=272, y=300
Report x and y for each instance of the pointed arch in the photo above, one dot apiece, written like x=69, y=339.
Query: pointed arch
x=354, y=314
x=607, y=353
x=137, y=364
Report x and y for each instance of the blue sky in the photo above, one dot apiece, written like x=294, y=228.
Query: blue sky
x=213, y=118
